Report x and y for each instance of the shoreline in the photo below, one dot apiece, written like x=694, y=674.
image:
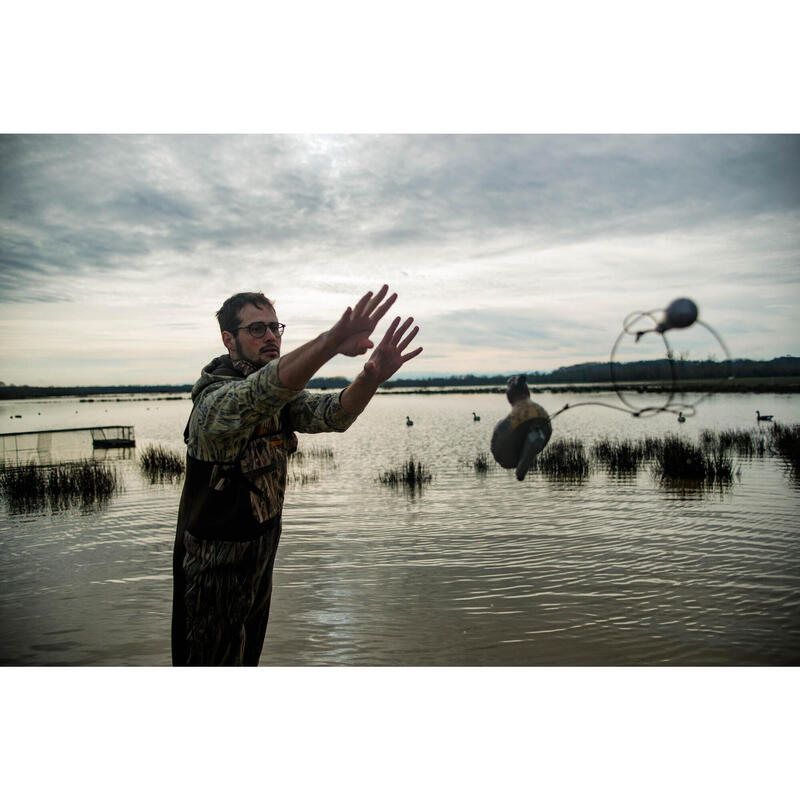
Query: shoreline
x=736, y=386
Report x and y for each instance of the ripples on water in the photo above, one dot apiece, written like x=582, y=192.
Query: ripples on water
x=476, y=569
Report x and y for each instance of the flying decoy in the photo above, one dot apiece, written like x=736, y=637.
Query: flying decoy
x=520, y=436
x=763, y=417
x=475, y=417
x=409, y=421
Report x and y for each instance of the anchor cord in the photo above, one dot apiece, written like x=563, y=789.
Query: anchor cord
x=687, y=409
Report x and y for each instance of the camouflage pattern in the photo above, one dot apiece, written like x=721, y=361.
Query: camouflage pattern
x=227, y=597
x=230, y=411
x=222, y=589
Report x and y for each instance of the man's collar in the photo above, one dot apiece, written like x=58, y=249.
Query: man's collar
x=245, y=367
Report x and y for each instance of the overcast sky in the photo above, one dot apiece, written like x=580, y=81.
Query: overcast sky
x=513, y=253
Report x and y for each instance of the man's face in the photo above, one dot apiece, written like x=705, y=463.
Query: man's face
x=244, y=345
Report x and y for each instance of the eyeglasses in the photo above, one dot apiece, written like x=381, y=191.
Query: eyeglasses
x=258, y=330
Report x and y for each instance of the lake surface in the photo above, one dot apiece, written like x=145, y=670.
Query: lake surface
x=476, y=569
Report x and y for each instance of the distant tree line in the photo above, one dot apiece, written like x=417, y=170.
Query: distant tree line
x=591, y=372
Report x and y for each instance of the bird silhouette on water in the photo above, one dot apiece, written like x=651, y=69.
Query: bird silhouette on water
x=409, y=421
x=763, y=417
x=475, y=417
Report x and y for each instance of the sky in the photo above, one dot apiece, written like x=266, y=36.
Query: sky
x=511, y=252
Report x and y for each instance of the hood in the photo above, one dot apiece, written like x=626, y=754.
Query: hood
x=216, y=371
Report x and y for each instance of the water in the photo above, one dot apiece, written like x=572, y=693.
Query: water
x=476, y=569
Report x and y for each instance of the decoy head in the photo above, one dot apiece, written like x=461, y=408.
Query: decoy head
x=517, y=389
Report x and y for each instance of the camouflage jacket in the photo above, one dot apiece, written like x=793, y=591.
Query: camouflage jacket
x=239, y=437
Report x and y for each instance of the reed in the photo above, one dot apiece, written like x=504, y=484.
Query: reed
x=411, y=474
x=32, y=486
x=618, y=456
x=319, y=452
x=161, y=465
x=785, y=442
x=680, y=459
x=564, y=458
x=742, y=443
x=481, y=463
x=302, y=478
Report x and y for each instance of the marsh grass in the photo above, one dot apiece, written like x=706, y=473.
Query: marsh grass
x=619, y=457
x=161, y=465
x=32, y=487
x=412, y=475
x=743, y=443
x=318, y=452
x=481, y=463
x=564, y=459
x=784, y=441
x=302, y=478
x=679, y=459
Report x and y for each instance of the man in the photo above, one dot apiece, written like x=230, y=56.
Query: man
x=247, y=406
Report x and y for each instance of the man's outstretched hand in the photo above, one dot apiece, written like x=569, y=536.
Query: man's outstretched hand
x=388, y=356
x=350, y=335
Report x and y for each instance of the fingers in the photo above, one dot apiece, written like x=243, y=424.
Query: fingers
x=401, y=330
x=402, y=346
x=383, y=309
x=387, y=337
x=394, y=334
x=412, y=354
x=374, y=301
x=367, y=303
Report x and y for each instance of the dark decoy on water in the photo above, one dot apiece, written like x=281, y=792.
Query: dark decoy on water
x=409, y=421
x=519, y=437
x=475, y=417
x=681, y=418
x=763, y=417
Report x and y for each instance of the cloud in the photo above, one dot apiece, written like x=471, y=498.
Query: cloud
x=547, y=241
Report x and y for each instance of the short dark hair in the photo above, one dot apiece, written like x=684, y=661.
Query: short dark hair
x=228, y=315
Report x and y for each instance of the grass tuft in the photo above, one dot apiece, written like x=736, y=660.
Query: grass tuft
x=481, y=463
x=564, y=458
x=411, y=474
x=619, y=457
x=161, y=465
x=679, y=459
x=785, y=442
x=33, y=487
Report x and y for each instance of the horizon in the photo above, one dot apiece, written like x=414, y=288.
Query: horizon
x=399, y=376
x=523, y=250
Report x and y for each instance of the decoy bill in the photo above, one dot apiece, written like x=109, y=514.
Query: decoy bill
x=519, y=437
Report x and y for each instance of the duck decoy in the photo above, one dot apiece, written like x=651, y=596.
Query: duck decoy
x=475, y=417
x=681, y=418
x=409, y=421
x=763, y=417
x=519, y=437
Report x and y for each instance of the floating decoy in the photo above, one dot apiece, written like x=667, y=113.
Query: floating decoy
x=763, y=417
x=475, y=417
x=681, y=418
x=519, y=437
x=409, y=421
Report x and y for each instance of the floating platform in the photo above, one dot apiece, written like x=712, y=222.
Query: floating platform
x=113, y=436
x=104, y=437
